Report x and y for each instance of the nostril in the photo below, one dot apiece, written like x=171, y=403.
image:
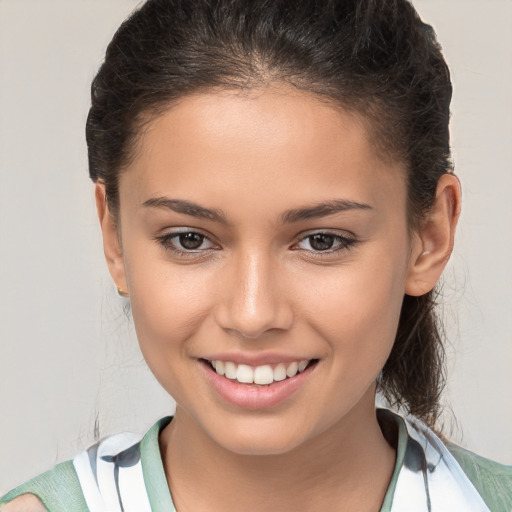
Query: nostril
x=251, y=325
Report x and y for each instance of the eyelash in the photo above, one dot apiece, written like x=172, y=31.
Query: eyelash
x=345, y=243
x=168, y=243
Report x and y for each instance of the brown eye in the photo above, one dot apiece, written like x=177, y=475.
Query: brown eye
x=186, y=244
x=191, y=241
x=321, y=241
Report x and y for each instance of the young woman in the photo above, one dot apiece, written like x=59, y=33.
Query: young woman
x=275, y=192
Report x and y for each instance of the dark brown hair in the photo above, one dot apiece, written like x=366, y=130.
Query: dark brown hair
x=374, y=57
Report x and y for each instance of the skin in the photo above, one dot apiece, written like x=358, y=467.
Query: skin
x=25, y=503
x=258, y=286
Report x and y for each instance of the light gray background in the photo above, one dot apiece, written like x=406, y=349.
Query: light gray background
x=67, y=350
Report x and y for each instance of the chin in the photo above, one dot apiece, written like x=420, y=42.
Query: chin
x=261, y=438
x=262, y=445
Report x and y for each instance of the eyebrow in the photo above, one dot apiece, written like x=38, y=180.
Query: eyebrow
x=187, y=207
x=323, y=209
x=315, y=211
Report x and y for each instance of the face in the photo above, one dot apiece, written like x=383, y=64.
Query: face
x=260, y=233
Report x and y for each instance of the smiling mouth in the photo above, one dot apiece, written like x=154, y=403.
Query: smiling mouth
x=264, y=375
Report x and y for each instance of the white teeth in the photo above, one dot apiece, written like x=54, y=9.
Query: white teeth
x=263, y=375
x=230, y=370
x=302, y=365
x=260, y=375
x=219, y=367
x=292, y=370
x=244, y=374
x=280, y=372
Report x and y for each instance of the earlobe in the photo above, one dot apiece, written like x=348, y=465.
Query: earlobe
x=433, y=242
x=111, y=241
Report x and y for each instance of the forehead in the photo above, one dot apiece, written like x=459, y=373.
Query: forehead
x=276, y=145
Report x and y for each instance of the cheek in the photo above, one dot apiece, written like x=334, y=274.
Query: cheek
x=167, y=311
x=168, y=303
x=357, y=311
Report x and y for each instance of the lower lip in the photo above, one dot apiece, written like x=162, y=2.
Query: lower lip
x=250, y=396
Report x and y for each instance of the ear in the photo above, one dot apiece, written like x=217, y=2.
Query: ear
x=433, y=242
x=111, y=241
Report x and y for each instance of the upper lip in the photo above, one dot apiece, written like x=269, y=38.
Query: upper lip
x=255, y=359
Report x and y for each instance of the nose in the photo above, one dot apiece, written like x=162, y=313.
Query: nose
x=254, y=300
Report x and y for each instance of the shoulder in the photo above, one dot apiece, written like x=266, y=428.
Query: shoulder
x=492, y=480
x=108, y=472
x=57, y=490
x=24, y=503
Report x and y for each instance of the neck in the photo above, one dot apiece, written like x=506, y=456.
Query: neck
x=350, y=464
